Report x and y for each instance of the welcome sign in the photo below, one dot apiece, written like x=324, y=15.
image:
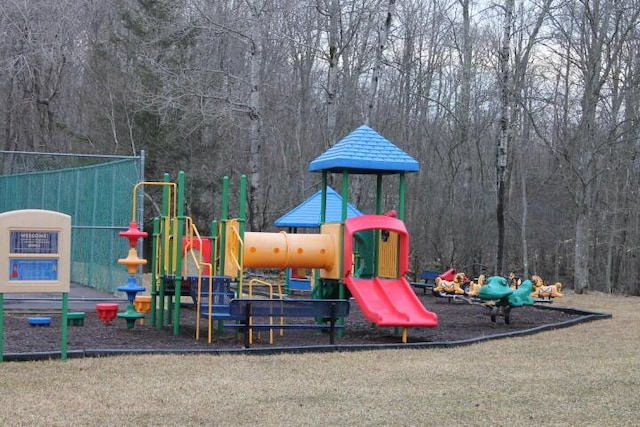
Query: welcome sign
x=35, y=251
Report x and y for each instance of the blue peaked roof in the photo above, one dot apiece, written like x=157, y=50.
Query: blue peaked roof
x=307, y=213
x=365, y=151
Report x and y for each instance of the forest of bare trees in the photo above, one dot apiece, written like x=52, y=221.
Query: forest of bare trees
x=522, y=114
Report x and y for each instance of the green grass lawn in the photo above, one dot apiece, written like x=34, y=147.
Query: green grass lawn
x=584, y=375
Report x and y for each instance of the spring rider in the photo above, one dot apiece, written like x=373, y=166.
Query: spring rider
x=132, y=261
x=504, y=298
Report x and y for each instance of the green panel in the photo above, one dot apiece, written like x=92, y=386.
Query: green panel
x=365, y=254
x=97, y=196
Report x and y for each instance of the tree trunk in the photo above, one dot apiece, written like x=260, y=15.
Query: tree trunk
x=526, y=133
x=255, y=128
x=332, y=74
x=9, y=142
x=581, y=255
x=503, y=140
x=465, y=84
x=383, y=33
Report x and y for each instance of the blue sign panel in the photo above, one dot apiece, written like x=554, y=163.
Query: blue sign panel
x=33, y=269
x=34, y=242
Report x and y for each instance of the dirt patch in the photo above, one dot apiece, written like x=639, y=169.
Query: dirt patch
x=457, y=321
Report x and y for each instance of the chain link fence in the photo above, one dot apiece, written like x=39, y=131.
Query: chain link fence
x=96, y=191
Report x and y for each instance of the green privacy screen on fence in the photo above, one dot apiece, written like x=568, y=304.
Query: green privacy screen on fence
x=97, y=196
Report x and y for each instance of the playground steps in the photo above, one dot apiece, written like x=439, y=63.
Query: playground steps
x=221, y=296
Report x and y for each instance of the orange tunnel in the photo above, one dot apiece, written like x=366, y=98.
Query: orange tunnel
x=283, y=250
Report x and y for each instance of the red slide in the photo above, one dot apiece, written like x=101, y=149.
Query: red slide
x=390, y=302
x=385, y=302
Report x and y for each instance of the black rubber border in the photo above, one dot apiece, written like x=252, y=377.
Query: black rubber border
x=584, y=316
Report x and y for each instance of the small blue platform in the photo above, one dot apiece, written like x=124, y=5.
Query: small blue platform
x=40, y=321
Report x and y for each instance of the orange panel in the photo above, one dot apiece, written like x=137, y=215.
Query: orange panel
x=388, y=254
x=334, y=231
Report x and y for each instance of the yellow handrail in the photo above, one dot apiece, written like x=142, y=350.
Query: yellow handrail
x=237, y=263
x=190, y=232
x=156, y=256
x=252, y=282
x=260, y=282
x=270, y=286
x=170, y=184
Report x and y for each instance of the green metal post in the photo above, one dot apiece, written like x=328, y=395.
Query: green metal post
x=225, y=197
x=323, y=219
x=214, y=247
x=379, y=194
x=323, y=199
x=166, y=191
x=345, y=201
x=376, y=235
x=242, y=220
x=64, y=327
x=1, y=326
x=401, y=191
x=345, y=195
x=154, y=280
x=401, y=196
x=223, y=222
x=242, y=214
x=342, y=294
x=214, y=254
x=179, y=233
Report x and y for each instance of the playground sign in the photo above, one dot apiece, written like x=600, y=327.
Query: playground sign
x=35, y=256
x=35, y=251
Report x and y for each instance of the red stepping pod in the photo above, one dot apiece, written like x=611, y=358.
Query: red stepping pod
x=107, y=312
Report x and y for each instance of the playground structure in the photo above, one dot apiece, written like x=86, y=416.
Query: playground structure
x=365, y=257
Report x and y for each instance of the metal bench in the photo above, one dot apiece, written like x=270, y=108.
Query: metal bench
x=260, y=314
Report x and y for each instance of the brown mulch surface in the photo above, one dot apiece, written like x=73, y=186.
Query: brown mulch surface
x=458, y=320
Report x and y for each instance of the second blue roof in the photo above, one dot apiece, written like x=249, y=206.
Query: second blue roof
x=307, y=213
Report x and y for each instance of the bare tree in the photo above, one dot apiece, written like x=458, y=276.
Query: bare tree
x=332, y=11
x=255, y=127
x=503, y=139
x=383, y=32
x=527, y=40
x=39, y=41
x=302, y=32
x=601, y=30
